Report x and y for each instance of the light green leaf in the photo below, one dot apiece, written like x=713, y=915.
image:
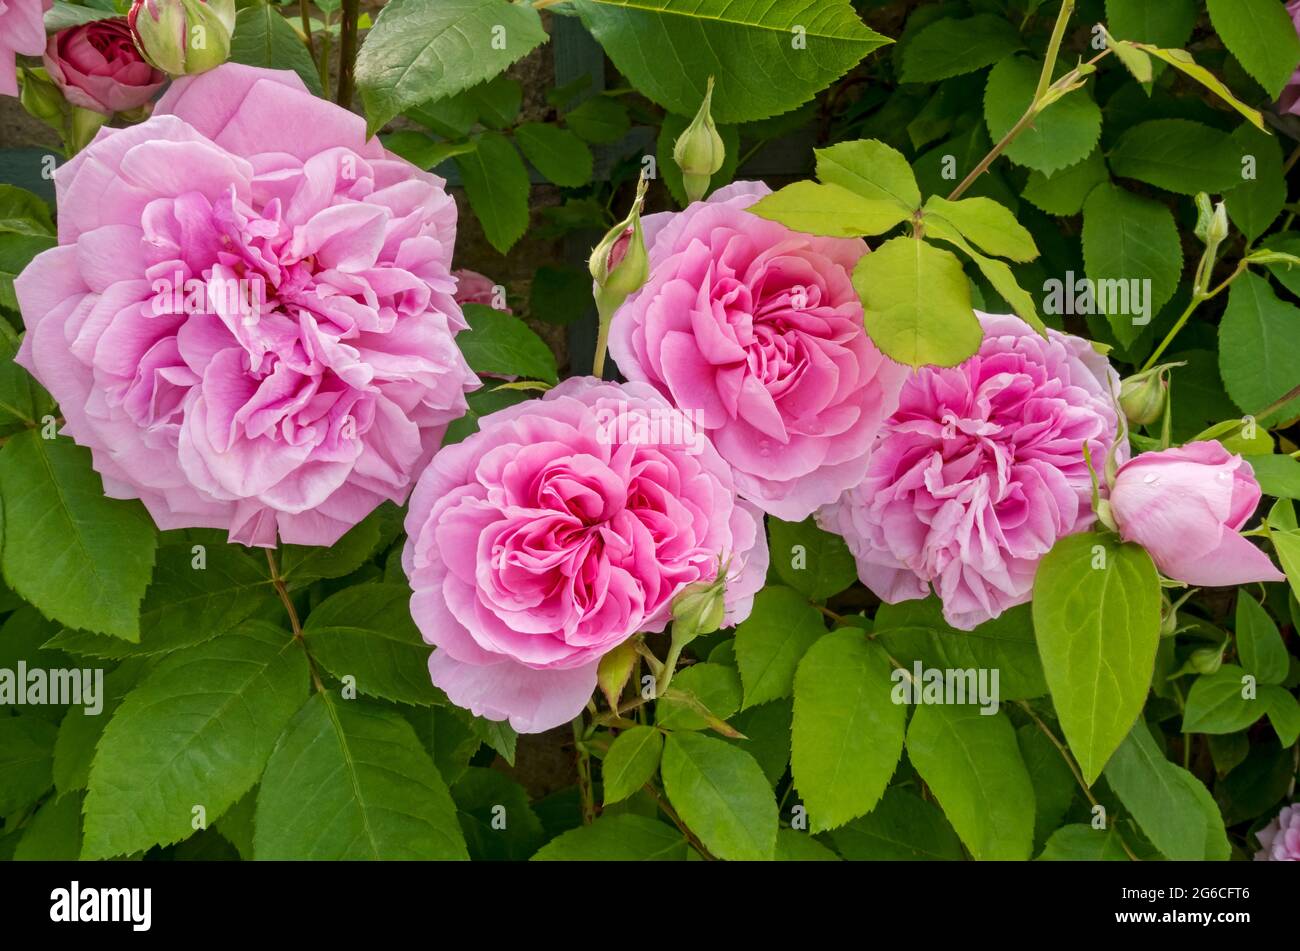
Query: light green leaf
x=949, y=47
x=1183, y=61
x=1283, y=712
x=1216, y=703
x=1064, y=191
x=1126, y=239
x=1083, y=843
x=829, y=210
x=1260, y=34
x=697, y=693
x=721, y=795
x=196, y=731
x=372, y=791
x=23, y=212
x=557, y=153
x=762, y=64
x=1259, y=348
x=496, y=184
x=1172, y=806
x=1063, y=134
x=366, y=632
x=870, y=168
x=631, y=761
x=848, y=730
x=991, y=226
x=501, y=343
x=917, y=303
x=771, y=642
x=1277, y=475
x=420, y=50
x=81, y=558
x=1096, y=612
x=617, y=838
x=998, y=273
x=973, y=765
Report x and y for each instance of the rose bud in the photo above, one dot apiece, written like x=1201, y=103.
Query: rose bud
x=699, y=151
x=182, y=37
x=98, y=67
x=1142, y=396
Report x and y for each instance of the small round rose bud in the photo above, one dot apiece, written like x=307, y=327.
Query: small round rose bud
x=699, y=151
x=181, y=37
x=1206, y=660
x=699, y=609
x=1143, y=396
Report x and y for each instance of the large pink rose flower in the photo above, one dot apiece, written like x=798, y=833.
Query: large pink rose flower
x=310, y=369
x=980, y=471
x=97, y=67
x=756, y=331
x=1185, y=506
x=561, y=528
x=22, y=32
x=1280, y=839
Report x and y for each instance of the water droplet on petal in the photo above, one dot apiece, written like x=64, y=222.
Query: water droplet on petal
x=1149, y=478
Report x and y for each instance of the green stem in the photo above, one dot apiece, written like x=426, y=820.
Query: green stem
x=324, y=69
x=602, y=343
x=585, y=790
x=348, y=52
x=304, y=8
x=1198, y=296
x=1053, y=48
x=295, y=624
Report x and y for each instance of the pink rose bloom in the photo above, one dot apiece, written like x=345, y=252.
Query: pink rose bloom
x=1281, y=837
x=475, y=288
x=311, y=369
x=1289, y=101
x=97, y=67
x=1185, y=506
x=756, y=331
x=22, y=32
x=561, y=528
x=980, y=471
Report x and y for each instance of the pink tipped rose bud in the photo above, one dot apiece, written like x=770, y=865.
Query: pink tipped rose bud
x=22, y=33
x=183, y=36
x=98, y=67
x=1185, y=506
x=475, y=288
x=1281, y=837
x=1289, y=101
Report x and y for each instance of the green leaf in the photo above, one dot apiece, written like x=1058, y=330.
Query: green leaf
x=22, y=400
x=263, y=37
x=1260, y=34
x=1064, y=191
x=1288, y=242
x=762, y=65
x=481, y=403
x=54, y=833
x=814, y=562
x=998, y=273
x=1128, y=238
x=902, y=828
x=972, y=764
x=496, y=102
x=771, y=642
x=848, y=730
x=766, y=730
x=79, y=733
x=1096, y=612
x=1259, y=643
x=949, y=47
x=196, y=731
x=559, y=294
x=420, y=50
x=917, y=303
x=23, y=212
x=1064, y=133
x=1255, y=204
x=1183, y=61
x=1054, y=784
x=63, y=15
x=1178, y=156
x=1283, y=712
x=829, y=210
x=1082, y=843
x=916, y=631
x=617, y=838
x=557, y=153
x=26, y=760
x=1277, y=475
x=991, y=226
x=501, y=343
x=870, y=168
x=1216, y=703
x=1259, y=349
x=494, y=813
x=302, y=564
x=792, y=846
x=374, y=793
x=81, y=558
x=185, y=604
x=421, y=150
x=601, y=120
x=1167, y=23
x=721, y=795
x=699, y=692
x=496, y=184
x=1172, y=806
x=631, y=761
x=366, y=632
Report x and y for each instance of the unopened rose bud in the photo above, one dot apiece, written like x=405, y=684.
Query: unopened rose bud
x=41, y=98
x=1206, y=660
x=182, y=37
x=1211, y=220
x=699, y=151
x=620, y=264
x=699, y=609
x=1143, y=396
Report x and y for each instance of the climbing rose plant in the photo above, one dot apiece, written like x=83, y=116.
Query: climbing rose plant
x=909, y=471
